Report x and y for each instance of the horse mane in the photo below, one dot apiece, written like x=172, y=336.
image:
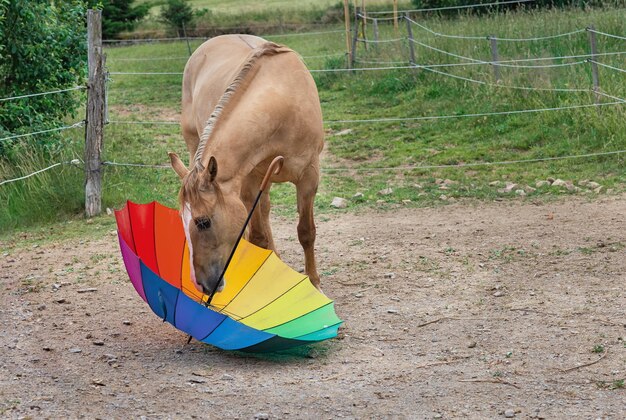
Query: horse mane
x=266, y=49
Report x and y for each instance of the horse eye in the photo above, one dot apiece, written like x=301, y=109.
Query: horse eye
x=202, y=223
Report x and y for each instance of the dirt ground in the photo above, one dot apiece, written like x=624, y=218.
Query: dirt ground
x=492, y=310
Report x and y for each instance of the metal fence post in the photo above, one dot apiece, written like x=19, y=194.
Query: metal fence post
x=594, y=66
x=375, y=25
x=494, y=57
x=346, y=17
x=410, y=33
x=94, y=131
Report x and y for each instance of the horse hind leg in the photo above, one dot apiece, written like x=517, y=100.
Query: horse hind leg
x=306, y=189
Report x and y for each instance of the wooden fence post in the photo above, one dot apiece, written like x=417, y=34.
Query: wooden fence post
x=94, y=130
x=375, y=25
x=395, y=15
x=186, y=39
x=346, y=17
x=409, y=30
x=494, y=57
x=355, y=36
x=594, y=66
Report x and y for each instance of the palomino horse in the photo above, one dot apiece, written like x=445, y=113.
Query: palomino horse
x=245, y=101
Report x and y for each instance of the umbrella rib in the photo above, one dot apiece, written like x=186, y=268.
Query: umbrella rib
x=213, y=330
x=248, y=282
x=130, y=225
x=275, y=299
x=156, y=259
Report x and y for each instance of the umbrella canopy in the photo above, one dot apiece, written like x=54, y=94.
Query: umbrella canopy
x=265, y=306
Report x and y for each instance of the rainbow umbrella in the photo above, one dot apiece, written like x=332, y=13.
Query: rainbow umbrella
x=265, y=306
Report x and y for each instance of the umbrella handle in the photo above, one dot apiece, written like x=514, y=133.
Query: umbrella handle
x=273, y=169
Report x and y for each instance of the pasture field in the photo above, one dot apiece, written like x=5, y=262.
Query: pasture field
x=366, y=158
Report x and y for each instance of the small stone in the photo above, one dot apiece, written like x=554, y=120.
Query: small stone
x=261, y=416
x=471, y=345
x=510, y=186
x=392, y=311
x=449, y=182
x=509, y=413
x=358, y=196
x=438, y=181
x=62, y=301
x=598, y=190
x=41, y=307
x=494, y=183
x=443, y=197
x=127, y=322
x=227, y=377
x=339, y=203
x=540, y=184
x=98, y=343
x=583, y=183
x=406, y=202
x=46, y=348
x=592, y=185
x=386, y=191
x=88, y=290
x=418, y=186
x=559, y=183
x=529, y=190
x=75, y=350
x=98, y=382
x=521, y=193
x=343, y=132
x=499, y=293
x=550, y=179
x=109, y=211
x=390, y=275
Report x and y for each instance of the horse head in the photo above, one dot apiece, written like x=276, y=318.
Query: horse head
x=212, y=219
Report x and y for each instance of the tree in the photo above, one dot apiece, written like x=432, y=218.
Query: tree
x=42, y=48
x=119, y=15
x=177, y=14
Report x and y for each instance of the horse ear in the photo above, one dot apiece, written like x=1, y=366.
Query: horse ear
x=178, y=165
x=211, y=169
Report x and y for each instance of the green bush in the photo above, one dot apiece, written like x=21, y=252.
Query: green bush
x=178, y=14
x=42, y=48
x=119, y=15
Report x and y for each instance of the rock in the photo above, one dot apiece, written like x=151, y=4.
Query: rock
x=109, y=211
x=558, y=183
x=88, y=290
x=62, y=301
x=358, y=196
x=520, y=192
x=406, y=202
x=529, y=190
x=510, y=186
x=540, y=184
x=390, y=275
x=494, y=183
x=127, y=322
x=499, y=293
x=98, y=382
x=598, y=190
x=583, y=183
x=41, y=307
x=591, y=185
x=418, y=186
x=471, y=345
x=261, y=416
x=75, y=350
x=392, y=311
x=227, y=377
x=386, y=191
x=509, y=413
x=98, y=343
x=443, y=197
x=550, y=179
x=438, y=181
x=343, y=132
x=46, y=348
x=339, y=203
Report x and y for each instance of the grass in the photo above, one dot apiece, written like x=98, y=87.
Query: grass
x=358, y=153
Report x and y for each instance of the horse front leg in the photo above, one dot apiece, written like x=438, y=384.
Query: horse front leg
x=306, y=189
